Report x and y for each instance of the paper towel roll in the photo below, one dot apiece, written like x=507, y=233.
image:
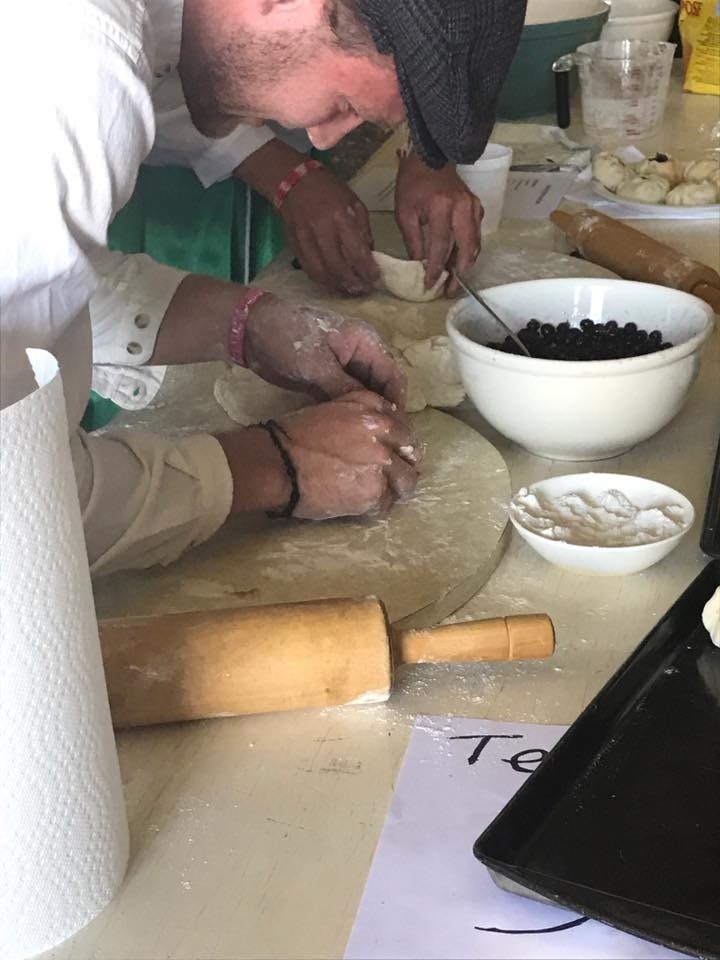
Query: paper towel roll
x=63, y=824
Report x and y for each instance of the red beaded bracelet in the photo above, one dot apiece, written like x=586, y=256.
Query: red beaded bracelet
x=293, y=178
x=238, y=324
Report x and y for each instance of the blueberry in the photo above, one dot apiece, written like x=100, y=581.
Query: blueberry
x=611, y=325
x=655, y=337
x=547, y=330
x=533, y=325
x=587, y=324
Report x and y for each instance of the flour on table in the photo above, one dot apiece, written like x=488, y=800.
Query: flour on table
x=432, y=379
x=711, y=617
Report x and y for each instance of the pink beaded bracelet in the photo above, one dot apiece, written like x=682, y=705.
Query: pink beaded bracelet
x=238, y=324
x=293, y=178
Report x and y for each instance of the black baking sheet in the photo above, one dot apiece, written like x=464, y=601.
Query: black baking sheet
x=710, y=537
x=622, y=820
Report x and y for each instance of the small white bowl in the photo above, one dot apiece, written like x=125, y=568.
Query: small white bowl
x=572, y=409
x=640, y=20
x=602, y=561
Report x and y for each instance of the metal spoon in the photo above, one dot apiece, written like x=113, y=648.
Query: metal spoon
x=476, y=296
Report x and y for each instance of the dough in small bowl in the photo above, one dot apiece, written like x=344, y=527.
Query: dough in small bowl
x=703, y=194
x=406, y=278
x=651, y=189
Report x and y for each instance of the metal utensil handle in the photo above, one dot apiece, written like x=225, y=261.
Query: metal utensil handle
x=561, y=68
x=486, y=306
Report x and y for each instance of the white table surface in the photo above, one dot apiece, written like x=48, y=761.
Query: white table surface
x=252, y=837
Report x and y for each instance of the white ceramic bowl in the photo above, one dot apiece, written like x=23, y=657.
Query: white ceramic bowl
x=579, y=410
x=598, y=560
x=640, y=20
x=558, y=11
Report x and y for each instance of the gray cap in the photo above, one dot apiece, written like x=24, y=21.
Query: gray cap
x=451, y=57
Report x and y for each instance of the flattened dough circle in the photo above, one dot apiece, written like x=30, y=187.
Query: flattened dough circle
x=424, y=559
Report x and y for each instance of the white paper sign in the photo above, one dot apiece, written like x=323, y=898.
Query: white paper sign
x=533, y=195
x=427, y=896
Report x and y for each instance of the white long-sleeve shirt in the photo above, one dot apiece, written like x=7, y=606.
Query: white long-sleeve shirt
x=83, y=112
x=129, y=303
x=134, y=286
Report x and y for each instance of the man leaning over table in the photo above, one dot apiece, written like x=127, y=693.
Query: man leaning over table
x=82, y=121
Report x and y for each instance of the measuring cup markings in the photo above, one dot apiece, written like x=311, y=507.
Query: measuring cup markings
x=623, y=85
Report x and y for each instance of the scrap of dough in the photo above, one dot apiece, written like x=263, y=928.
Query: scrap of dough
x=609, y=170
x=433, y=381
x=711, y=617
x=703, y=194
x=406, y=278
x=432, y=376
x=651, y=189
x=247, y=399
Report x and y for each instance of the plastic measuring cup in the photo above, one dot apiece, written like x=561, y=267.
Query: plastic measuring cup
x=623, y=87
x=487, y=179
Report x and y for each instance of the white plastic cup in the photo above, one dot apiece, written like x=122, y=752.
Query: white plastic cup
x=487, y=179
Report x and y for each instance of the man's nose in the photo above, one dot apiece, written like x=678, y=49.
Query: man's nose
x=327, y=134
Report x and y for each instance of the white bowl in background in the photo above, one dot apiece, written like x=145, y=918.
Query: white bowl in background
x=571, y=409
x=600, y=560
x=557, y=11
x=640, y=20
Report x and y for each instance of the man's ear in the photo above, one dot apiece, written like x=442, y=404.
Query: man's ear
x=276, y=15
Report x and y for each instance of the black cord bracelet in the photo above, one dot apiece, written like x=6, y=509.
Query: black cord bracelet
x=273, y=429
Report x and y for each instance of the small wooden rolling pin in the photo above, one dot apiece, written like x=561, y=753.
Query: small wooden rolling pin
x=635, y=256
x=186, y=666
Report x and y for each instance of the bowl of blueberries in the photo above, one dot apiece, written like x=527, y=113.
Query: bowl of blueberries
x=611, y=362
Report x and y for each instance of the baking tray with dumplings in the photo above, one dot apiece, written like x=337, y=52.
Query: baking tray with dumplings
x=621, y=821
x=660, y=185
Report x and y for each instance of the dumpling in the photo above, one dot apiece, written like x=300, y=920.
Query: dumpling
x=644, y=189
x=609, y=170
x=406, y=278
x=702, y=194
x=661, y=165
x=698, y=170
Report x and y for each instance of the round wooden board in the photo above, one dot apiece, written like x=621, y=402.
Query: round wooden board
x=425, y=559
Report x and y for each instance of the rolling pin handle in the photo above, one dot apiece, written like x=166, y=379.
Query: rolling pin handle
x=504, y=638
x=711, y=295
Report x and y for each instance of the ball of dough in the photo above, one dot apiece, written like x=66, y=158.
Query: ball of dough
x=609, y=170
x=702, y=194
x=698, y=170
x=660, y=166
x=644, y=189
x=406, y=278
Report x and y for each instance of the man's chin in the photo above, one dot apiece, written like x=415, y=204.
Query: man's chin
x=211, y=124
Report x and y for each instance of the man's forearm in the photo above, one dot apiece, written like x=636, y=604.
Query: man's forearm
x=266, y=167
x=196, y=324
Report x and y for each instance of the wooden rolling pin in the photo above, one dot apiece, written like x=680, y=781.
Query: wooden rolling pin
x=214, y=663
x=635, y=256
